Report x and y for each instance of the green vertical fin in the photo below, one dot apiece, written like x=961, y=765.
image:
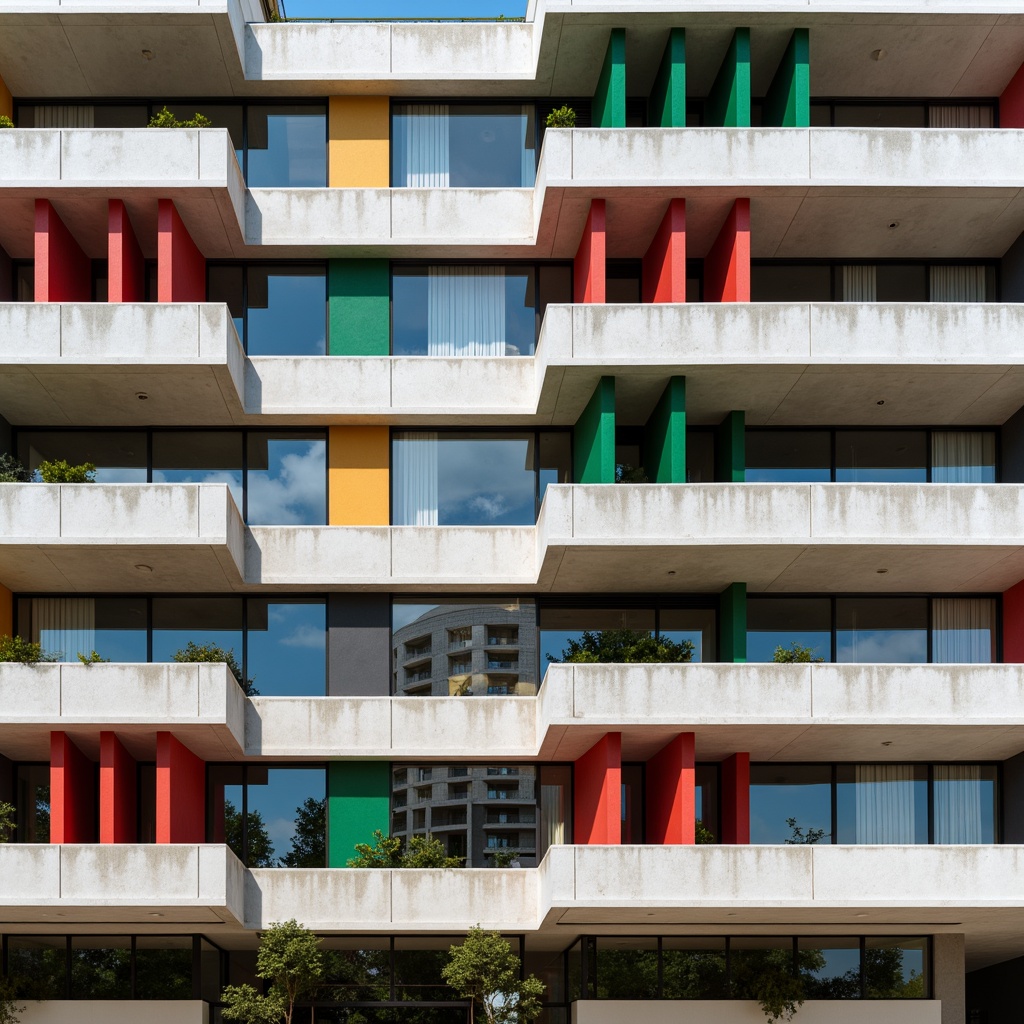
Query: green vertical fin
x=728, y=103
x=732, y=606
x=609, y=109
x=665, y=436
x=667, y=104
x=594, y=437
x=731, y=449
x=788, y=101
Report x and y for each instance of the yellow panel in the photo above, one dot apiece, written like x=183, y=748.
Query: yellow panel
x=359, y=129
x=6, y=612
x=358, y=460
x=6, y=100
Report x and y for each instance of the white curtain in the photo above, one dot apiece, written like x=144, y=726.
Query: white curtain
x=957, y=802
x=64, y=116
x=415, y=479
x=962, y=630
x=884, y=796
x=425, y=157
x=64, y=624
x=962, y=116
x=552, y=817
x=466, y=311
x=860, y=283
x=963, y=456
x=957, y=284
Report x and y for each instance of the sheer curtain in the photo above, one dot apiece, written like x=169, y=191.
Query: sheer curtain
x=424, y=143
x=884, y=795
x=466, y=311
x=963, y=457
x=957, y=796
x=64, y=116
x=415, y=478
x=963, y=630
x=65, y=624
x=552, y=817
x=960, y=116
x=860, y=283
x=957, y=284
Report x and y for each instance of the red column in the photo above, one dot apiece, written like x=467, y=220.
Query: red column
x=118, y=800
x=1013, y=625
x=63, y=272
x=727, y=264
x=671, y=793
x=72, y=793
x=1011, y=103
x=125, y=266
x=664, y=273
x=736, y=799
x=589, y=265
x=597, y=814
x=180, y=792
x=180, y=266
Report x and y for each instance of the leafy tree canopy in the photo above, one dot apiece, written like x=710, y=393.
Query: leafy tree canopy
x=210, y=652
x=309, y=847
x=625, y=646
x=388, y=852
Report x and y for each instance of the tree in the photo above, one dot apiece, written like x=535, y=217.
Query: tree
x=258, y=844
x=795, y=653
x=289, y=958
x=7, y=821
x=388, y=852
x=10, y=1011
x=210, y=652
x=309, y=848
x=623, y=646
x=485, y=970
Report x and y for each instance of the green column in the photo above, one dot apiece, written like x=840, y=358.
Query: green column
x=594, y=437
x=732, y=611
x=667, y=105
x=731, y=449
x=665, y=436
x=609, y=109
x=358, y=801
x=788, y=101
x=728, y=103
x=359, y=299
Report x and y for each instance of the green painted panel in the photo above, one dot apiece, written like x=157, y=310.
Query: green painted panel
x=728, y=103
x=665, y=436
x=359, y=298
x=732, y=610
x=358, y=801
x=667, y=105
x=609, y=108
x=594, y=437
x=731, y=449
x=787, y=103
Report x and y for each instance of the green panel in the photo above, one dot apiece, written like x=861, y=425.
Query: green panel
x=594, y=437
x=788, y=101
x=667, y=105
x=728, y=104
x=609, y=109
x=731, y=449
x=665, y=436
x=358, y=802
x=359, y=297
x=732, y=610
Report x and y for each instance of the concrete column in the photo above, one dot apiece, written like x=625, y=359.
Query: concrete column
x=735, y=826
x=63, y=273
x=180, y=266
x=728, y=103
x=589, y=273
x=594, y=437
x=597, y=796
x=609, y=106
x=359, y=305
x=72, y=793
x=732, y=615
x=666, y=107
x=731, y=449
x=359, y=645
x=1011, y=102
x=664, y=455
x=949, y=977
x=126, y=269
x=118, y=795
x=727, y=264
x=180, y=792
x=358, y=803
x=671, y=793
x=359, y=142
x=664, y=266
x=787, y=104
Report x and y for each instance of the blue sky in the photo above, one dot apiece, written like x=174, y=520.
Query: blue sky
x=404, y=8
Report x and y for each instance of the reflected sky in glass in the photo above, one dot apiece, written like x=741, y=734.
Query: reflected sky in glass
x=295, y=155
x=231, y=477
x=294, y=320
x=279, y=799
x=776, y=793
x=292, y=490
x=882, y=646
x=287, y=648
x=761, y=644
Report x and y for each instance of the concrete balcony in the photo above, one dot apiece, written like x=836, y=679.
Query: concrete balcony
x=119, y=537
x=202, y=704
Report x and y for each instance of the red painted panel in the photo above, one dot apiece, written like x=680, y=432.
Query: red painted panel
x=1011, y=103
x=72, y=793
x=1013, y=625
x=126, y=269
x=664, y=273
x=727, y=264
x=671, y=793
x=63, y=273
x=117, y=792
x=589, y=266
x=180, y=266
x=180, y=792
x=597, y=815
x=736, y=799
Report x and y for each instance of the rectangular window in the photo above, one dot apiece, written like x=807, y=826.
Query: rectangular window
x=881, y=456
x=789, y=624
x=286, y=145
x=38, y=963
x=119, y=456
x=114, y=627
x=964, y=630
x=101, y=967
x=882, y=803
x=286, y=479
x=964, y=803
x=829, y=968
x=783, y=456
x=180, y=621
x=752, y=960
x=627, y=968
x=286, y=646
x=163, y=967
x=32, y=800
x=791, y=804
x=199, y=457
x=896, y=968
x=790, y=282
x=693, y=968
x=963, y=456
x=882, y=630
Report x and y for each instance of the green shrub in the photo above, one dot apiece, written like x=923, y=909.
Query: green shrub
x=563, y=117
x=192, y=653
x=503, y=857
x=92, y=658
x=60, y=471
x=387, y=852
x=165, y=119
x=20, y=651
x=8, y=821
x=795, y=654
x=5, y=121
x=11, y=470
x=703, y=836
x=625, y=646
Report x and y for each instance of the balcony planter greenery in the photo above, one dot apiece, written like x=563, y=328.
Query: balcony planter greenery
x=165, y=119
x=563, y=117
x=625, y=646
x=389, y=852
x=506, y=857
x=795, y=653
x=193, y=653
x=17, y=650
x=5, y=121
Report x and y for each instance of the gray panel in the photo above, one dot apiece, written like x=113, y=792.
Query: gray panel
x=359, y=645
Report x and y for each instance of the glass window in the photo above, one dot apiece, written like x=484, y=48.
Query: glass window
x=882, y=803
x=225, y=283
x=963, y=457
x=693, y=968
x=881, y=456
x=178, y=621
x=695, y=626
x=199, y=457
x=286, y=479
x=563, y=629
x=418, y=964
x=632, y=804
x=358, y=969
x=627, y=968
x=896, y=968
x=829, y=968
x=555, y=807
x=882, y=630
x=163, y=967
x=556, y=285
x=32, y=800
x=286, y=146
x=114, y=627
x=211, y=969
x=964, y=803
x=622, y=281
x=881, y=115
x=101, y=967
x=119, y=456
x=554, y=464
x=287, y=810
x=898, y=282
x=700, y=456
x=790, y=282
x=782, y=622
x=790, y=803
x=752, y=960
x=286, y=646
x=24, y=283
x=964, y=630
x=780, y=456
x=38, y=964
x=226, y=798
x=286, y=310
x=706, y=805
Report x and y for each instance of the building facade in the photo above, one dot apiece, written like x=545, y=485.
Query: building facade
x=640, y=502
